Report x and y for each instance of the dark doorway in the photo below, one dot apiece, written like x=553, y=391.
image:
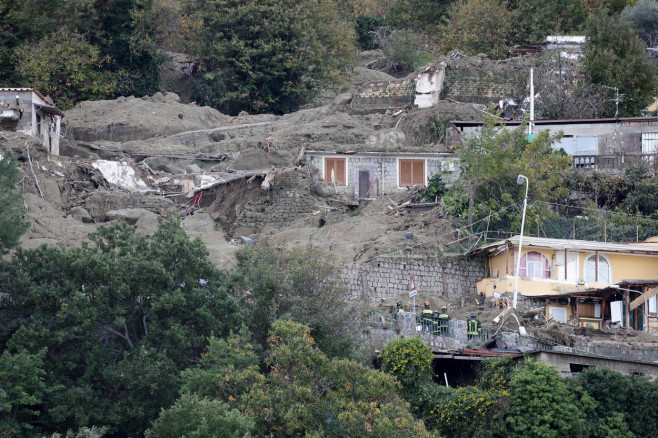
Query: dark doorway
x=364, y=184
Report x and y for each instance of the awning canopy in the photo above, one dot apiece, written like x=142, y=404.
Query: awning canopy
x=49, y=109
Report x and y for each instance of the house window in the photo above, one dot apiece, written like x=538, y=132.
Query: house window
x=336, y=167
x=411, y=173
x=600, y=273
x=649, y=146
x=535, y=265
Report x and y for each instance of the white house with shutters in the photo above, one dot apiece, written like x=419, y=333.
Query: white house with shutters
x=369, y=174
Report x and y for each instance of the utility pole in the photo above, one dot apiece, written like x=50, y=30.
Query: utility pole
x=618, y=98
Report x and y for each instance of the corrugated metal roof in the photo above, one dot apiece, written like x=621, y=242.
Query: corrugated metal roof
x=650, y=248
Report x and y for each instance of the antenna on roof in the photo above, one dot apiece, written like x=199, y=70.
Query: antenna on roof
x=618, y=98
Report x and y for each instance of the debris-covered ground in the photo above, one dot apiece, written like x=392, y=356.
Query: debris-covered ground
x=135, y=160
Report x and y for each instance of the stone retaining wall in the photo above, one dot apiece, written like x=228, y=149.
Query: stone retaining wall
x=375, y=97
x=390, y=277
x=289, y=198
x=478, y=86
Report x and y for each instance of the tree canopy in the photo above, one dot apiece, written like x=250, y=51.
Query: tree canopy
x=492, y=159
x=12, y=210
x=614, y=56
x=108, y=326
x=270, y=55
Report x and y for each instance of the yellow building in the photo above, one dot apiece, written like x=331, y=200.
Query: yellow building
x=590, y=284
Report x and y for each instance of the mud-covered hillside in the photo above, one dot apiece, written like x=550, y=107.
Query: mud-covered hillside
x=136, y=160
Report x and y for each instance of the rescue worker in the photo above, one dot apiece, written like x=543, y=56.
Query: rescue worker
x=435, y=323
x=473, y=327
x=444, y=322
x=427, y=317
x=398, y=309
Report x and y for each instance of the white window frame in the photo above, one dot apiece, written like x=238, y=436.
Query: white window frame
x=524, y=258
x=597, y=275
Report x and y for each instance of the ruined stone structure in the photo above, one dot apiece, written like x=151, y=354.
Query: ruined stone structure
x=389, y=277
x=380, y=97
x=289, y=198
x=469, y=80
x=482, y=86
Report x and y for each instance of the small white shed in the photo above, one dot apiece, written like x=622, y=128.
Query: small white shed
x=28, y=111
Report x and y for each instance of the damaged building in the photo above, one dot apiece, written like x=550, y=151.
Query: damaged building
x=28, y=111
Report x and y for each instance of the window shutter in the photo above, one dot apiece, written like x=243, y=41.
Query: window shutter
x=405, y=173
x=418, y=173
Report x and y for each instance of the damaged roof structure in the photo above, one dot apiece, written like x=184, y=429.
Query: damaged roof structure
x=592, y=284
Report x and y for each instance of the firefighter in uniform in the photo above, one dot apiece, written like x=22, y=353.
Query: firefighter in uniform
x=398, y=309
x=473, y=327
x=444, y=322
x=427, y=317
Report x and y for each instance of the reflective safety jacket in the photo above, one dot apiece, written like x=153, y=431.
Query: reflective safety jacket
x=473, y=327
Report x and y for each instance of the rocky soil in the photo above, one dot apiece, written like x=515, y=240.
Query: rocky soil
x=135, y=160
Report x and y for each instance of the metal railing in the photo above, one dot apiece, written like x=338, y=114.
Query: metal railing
x=613, y=161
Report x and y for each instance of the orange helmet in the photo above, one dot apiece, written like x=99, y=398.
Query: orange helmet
x=444, y=308
x=427, y=303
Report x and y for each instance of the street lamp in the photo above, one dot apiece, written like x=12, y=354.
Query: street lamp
x=519, y=180
x=645, y=319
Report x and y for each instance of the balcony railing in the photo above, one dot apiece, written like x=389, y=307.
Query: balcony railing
x=614, y=161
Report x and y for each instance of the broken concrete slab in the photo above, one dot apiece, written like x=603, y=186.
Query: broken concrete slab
x=128, y=215
x=121, y=174
x=80, y=214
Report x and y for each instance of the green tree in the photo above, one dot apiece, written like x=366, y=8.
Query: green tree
x=228, y=369
x=22, y=389
x=119, y=317
x=270, y=55
x=304, y=285
x=409, y=360
x=476, y=26
x=303, y=393
x=644, y=18
x=418, y=15
x=491, y=162
x=12, y=210
x=194, y=416
x=615, y=427
x=634, y=397
x=309, y=394
x=65, y=66
x=614, y=56
x=541, y=404
x=536, y=19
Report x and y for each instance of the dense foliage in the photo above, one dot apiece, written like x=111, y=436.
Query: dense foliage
x=305, y=393
x=491, y=162
x=303, y=285
x=104, y=329
x=614, y=56
x=271, y=55
x=80, y=49
x=12, y=210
